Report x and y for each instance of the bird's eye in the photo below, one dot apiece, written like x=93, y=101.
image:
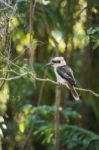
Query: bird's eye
x=56, y=61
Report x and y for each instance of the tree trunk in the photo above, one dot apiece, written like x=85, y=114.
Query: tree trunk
x=86, y=69
x=57, y=118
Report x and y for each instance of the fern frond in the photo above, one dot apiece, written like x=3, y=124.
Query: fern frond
x=76, y=137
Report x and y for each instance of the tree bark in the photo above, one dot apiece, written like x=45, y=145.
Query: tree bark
x=86, y=69
x=57, y=118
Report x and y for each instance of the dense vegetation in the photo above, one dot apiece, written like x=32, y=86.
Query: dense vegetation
x=39, y=115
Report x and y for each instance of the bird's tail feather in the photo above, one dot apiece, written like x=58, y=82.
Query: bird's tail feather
x=74, y=93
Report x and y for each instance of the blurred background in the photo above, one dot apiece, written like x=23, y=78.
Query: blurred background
x=31, y=33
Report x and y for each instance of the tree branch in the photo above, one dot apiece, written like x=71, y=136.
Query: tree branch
x=15, y=77
x=88, y=90
x=46, y=80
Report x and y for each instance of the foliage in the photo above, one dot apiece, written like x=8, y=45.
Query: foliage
x=29, y=37
x=78, y=138
x=94, y=33
x=41, y=120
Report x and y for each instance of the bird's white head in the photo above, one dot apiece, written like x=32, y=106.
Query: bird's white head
x=57, y=62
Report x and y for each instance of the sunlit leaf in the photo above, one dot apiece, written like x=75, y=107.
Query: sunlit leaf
x=21, y=127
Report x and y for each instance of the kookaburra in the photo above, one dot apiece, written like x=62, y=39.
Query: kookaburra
x=64, y=74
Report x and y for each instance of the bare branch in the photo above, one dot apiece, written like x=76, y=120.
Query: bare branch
x=88, y=90
x=46, y=80
x=14, y=78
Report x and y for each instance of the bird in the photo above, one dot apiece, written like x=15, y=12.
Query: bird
x=64, y=74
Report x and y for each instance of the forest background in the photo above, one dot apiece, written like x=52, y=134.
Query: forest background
x=35, y=113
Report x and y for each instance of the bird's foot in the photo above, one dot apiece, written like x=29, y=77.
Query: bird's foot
x=59, y=83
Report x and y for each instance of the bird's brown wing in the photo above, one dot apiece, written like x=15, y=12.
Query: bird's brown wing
x=66, y=73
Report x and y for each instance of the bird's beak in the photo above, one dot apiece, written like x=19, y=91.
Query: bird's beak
x=49, y=64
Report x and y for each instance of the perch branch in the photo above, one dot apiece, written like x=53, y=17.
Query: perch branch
x=46, y=80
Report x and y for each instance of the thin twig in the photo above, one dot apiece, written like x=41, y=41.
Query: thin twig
x=14, y=78
x=6, y=4
x=88, y=90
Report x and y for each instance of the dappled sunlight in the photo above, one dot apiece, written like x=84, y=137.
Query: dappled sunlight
x=23, y=42
x=51, y=42
x=49, y=57
x=94, y=10
x=79, y=28
x=17, y=35
x=4, y=97
x=61, y=45
x=22, y=127
x=14, y=22
x=80, y=39
x=57, y=37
